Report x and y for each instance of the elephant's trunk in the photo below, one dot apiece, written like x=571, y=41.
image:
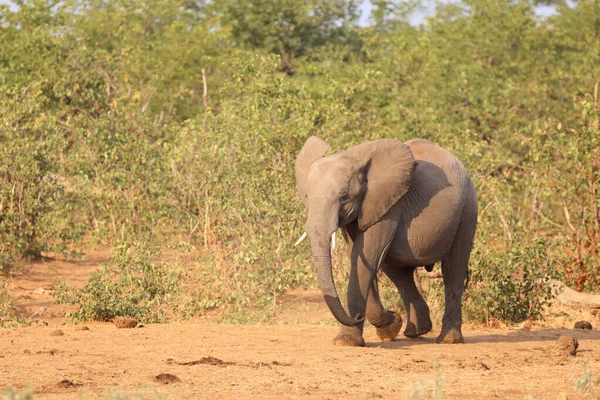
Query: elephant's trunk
x=321, y=254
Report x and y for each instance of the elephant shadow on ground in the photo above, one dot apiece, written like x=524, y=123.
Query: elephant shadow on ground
x=545, y=335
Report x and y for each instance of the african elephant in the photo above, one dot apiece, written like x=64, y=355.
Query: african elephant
x=399, y=206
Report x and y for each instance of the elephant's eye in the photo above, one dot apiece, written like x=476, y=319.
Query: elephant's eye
x=344, y=197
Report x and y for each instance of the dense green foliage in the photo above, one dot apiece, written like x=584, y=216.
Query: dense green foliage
x=124, y=120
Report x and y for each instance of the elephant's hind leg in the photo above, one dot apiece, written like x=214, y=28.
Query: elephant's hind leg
x=418, y=320
x=454, y=269
x=455, y=273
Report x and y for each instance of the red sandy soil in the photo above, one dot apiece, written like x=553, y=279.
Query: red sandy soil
x=291, y=359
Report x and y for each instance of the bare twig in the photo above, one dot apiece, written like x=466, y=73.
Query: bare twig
x=568, y=218
x=204, y=98
x=484, y=210
x=193, y=229
x=593, y=196
x=596, y=102
x=596, y=93
x=205, y=91
x=206, y=219
x=538, y=212
x=577, y=233
x=504, y=223
x=114, y=223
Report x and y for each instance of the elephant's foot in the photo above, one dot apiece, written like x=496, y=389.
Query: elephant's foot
x=345, y=338
x=413, y=331
x=450, y=336
x=389, y=333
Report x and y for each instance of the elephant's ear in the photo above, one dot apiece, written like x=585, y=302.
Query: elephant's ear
x=388, y=166
x=313, y=149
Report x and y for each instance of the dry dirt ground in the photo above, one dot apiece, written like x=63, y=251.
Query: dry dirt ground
x=292, y=359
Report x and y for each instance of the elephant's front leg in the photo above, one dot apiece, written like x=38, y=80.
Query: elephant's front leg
x=368, y=249
x=418, y=320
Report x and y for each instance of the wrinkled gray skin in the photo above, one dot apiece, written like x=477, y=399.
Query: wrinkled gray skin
x=399, y=206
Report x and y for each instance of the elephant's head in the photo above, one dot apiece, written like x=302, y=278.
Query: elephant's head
x=360, y=184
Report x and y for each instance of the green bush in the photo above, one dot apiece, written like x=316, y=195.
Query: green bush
x=38, y=211
x=131, y=284
x=511, y=285
x=6, y=304
x=562, y=166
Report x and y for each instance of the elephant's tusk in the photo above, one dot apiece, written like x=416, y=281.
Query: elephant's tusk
x=301, y=239
x=333, y=240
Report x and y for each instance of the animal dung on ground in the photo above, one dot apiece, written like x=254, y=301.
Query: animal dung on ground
x=82, y=328
x=166, y=379
x=65, y=383
x=57, y=332
x=566, y=344
x=123, y=322
x=583, y=325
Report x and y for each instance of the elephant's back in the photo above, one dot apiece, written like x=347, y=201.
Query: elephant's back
x=429, y=154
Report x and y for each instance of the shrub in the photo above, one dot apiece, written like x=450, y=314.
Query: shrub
x=563, y=167
x=131, y=284
x=510, y=285
x=37, y=210
x=6, y=300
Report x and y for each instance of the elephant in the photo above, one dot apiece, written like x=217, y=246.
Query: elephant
x=399, y=206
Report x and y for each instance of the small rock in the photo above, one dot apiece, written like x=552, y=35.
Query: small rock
x=562, y=396
x=567, y=344
x=166, y=379
x=57, y=332
x=40, y=290
x=124, y=322
x=583, y=325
